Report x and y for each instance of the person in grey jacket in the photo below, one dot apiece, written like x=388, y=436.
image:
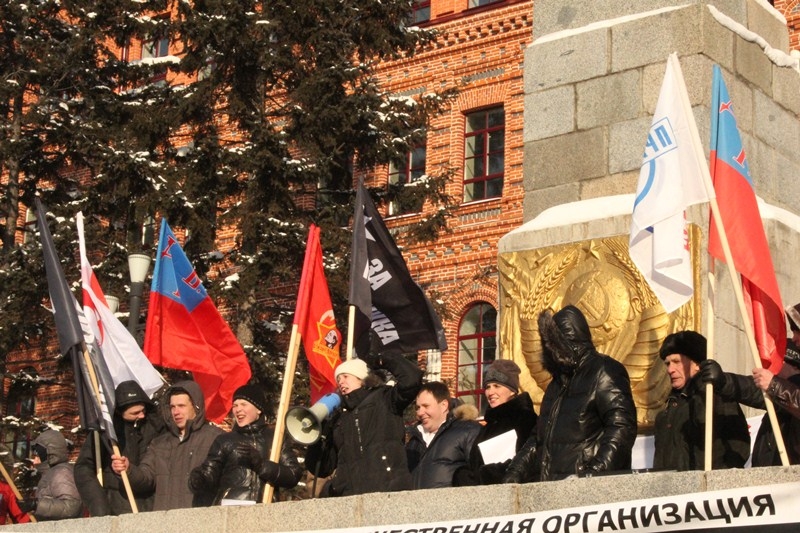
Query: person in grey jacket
x=441, y=443
x=57, y=496
x=171, y=456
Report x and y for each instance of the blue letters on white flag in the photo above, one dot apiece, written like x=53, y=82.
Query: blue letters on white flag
x=670, y=180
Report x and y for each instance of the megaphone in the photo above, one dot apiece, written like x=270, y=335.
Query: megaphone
x=304, y=424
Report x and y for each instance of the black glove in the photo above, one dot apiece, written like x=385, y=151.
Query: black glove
x=28, y=505
x=247, y=455
x=711, y=372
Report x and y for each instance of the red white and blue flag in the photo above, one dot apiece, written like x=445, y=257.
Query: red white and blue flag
x=741, y=219
x=185, y=331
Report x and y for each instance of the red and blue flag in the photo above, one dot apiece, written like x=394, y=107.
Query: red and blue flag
x=741, y=219
x=185, y=330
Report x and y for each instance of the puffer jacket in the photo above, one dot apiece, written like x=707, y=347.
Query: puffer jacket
x=680, y=431
x=516, y=415
x=134, y=437
x=587, y=422
x=57, y=496
x=433, y=466
x=169, y=459
x=364, y=439
x=237, y=466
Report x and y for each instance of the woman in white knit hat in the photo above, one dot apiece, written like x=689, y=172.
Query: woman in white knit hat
x=363, y=444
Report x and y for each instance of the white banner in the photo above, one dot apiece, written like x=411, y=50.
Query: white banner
x=770, y=508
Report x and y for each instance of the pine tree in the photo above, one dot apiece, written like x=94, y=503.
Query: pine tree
x=271, y=111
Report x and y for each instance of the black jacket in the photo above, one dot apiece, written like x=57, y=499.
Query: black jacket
x=785, y=396
x=364, y=440
x=237, y=466
x=433, y=466
x=134, y=437
x=680, y=430
x=518, y=415
x=587, y=421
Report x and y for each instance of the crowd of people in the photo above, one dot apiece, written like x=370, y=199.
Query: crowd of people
x=171, y=457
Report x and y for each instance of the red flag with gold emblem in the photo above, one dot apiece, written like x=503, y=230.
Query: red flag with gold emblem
x=315, y=321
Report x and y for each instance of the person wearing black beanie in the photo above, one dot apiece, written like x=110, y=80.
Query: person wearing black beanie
x=237, y=466
x=680, y=427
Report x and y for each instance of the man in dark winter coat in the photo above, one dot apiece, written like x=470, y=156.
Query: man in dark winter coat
x=136, y=424
x=237, y=466
x=784, y=391
x=442, y=441
x=172, y=455
x=57, y=496
x=680, y=427
x=587, y=422
x=364, y=439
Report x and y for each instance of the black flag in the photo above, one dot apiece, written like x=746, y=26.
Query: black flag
x=393, y=314
x=68, y=325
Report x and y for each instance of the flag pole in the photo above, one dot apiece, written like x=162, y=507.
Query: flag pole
x=14, y=488
x=736, y=283
x=351, y=321
x=98, y=461
x=711, y=300
x=291, y=363
x=96, y=391
x=283, y=407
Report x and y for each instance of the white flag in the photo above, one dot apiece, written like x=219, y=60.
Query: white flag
x=671, y=179
x=123, y=356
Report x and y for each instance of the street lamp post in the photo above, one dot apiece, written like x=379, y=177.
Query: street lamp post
x=138, y=264
x=113, y=303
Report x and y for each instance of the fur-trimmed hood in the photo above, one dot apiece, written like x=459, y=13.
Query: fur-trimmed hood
x=566, y=340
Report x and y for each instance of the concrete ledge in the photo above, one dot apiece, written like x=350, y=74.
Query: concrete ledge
x=425, y=506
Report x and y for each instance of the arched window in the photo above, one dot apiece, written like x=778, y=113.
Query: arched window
x=476, y=349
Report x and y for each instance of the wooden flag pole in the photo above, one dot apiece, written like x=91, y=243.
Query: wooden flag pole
x=726, y=249
x=351, y=322
x=98, y=461
x=14, y=488
x=711, y=301
x=96, y=391
x=283, y=406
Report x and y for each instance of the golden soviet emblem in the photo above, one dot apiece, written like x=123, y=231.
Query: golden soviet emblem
x=597, y=276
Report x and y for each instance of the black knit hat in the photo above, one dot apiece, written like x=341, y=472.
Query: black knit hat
x=505, y=372
x=253, y=394
x=688, y=343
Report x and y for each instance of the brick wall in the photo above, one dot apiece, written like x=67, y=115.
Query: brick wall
x=791, y=12
x=482, y=48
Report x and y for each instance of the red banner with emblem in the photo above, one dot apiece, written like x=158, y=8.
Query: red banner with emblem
x=315, y=321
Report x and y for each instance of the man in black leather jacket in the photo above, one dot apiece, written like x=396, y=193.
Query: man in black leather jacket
x=587, y=421
x=441, y=443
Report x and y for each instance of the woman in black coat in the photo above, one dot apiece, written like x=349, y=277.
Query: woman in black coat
x=507, y=411
x=363, y=443
x=237, y=467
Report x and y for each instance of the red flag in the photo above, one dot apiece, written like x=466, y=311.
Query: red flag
x=738, y=209
x=185, y=330
x=315, y=321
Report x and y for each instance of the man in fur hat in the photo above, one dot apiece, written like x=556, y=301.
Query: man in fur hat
x=680, y=427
